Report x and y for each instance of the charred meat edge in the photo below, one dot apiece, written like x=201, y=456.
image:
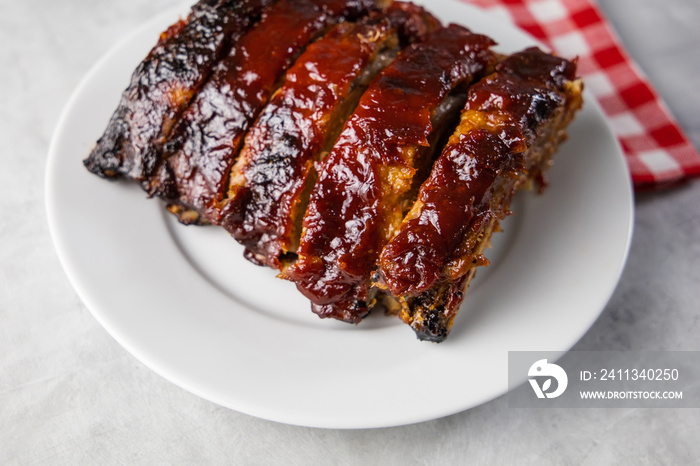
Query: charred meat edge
x=165, y=82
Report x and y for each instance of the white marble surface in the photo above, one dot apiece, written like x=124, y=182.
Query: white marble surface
x=69, y=394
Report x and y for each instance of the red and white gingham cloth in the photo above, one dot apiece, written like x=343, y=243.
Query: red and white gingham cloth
x=658, y=153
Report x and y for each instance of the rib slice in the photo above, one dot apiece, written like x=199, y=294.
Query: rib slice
x=360, y=194
x=511, y=125
x=164, y=83
x=206, y=140
x=271, y=181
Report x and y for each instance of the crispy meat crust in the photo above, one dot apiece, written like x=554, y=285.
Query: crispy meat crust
x=361, y=187
x=165, y=82
x=511, y=125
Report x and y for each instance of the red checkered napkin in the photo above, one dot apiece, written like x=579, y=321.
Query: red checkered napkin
x=657, y=151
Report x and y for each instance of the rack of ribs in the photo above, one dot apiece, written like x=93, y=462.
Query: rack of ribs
x=359, y=147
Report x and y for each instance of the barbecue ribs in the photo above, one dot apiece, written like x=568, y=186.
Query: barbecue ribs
x=359, y=147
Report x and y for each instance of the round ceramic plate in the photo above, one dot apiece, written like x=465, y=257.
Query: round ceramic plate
x=184, y=301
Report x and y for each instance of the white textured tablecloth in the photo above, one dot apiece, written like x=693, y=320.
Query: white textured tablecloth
x=69, y=394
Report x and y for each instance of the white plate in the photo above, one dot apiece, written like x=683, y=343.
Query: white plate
x=185, y=303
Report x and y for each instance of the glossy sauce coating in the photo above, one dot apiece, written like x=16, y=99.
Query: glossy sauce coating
x=300, y=121
x=500, y=122
x=206, y=141
x=164, y=83
x=371, y=167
